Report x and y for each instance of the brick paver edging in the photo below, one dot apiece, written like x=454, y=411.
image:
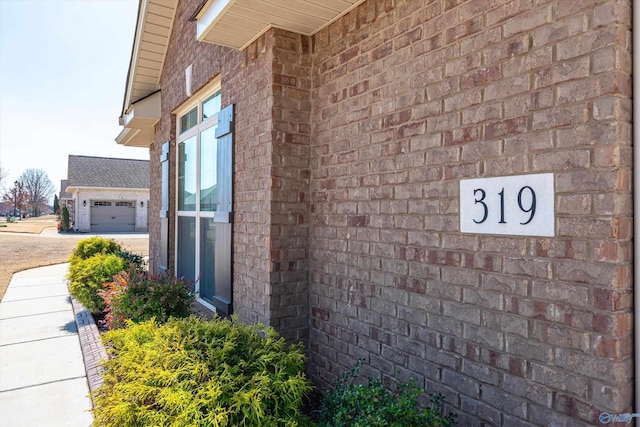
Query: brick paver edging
x=93, y=351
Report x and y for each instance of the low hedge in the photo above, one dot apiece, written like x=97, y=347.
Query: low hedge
x=93, y=262
x=88, y=275
x=191, y=372
x=373, y=405
x=139, y=296
x=86, y=248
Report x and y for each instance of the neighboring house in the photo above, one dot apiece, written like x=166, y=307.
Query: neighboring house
x=442, y=188
x=108, y=195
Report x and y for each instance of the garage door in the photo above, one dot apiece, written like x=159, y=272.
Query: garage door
x=109, y=216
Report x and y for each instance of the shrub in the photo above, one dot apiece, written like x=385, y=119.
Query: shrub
x=86, y=248
x=372, y=405
x=85, y=282
x=134, y=261
x=88, y=275
x=138, y=296
x=191, y=372
x=65, y=219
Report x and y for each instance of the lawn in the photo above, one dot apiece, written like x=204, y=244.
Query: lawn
x=34, y=242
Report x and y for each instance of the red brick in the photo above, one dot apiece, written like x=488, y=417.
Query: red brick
x=463, y=30
x=408, y=38
x=561, y=29
x=535, y=60
x=513, y=47
x=577, y=409
x=587, y=42
x=505, y=128
x=481, y=40
x=569, y=70
x=382, y=51
x=611, y=299
x=528, y=21
x=507, y=10
x=463, y=100
x=480, y=77
x=602, y=84
x=507, y=87
x=560, y=116
x=481, y=113
x=463, y=65
x=561, y=160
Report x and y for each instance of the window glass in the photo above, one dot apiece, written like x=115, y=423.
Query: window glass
x=186, y=248
x=187, y=181
x=211, y=106
x=208, y=170
x=189, y=120
x=202, y=165
x=207, y=259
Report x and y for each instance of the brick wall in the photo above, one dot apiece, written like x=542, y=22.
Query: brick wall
x=248, y=80
x=290, y=184
x=409, y=97
x=349, y=149
x=207, y=59
x=270, y=84
x=245, y=81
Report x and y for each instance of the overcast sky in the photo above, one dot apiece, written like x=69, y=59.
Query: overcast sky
x=63, y=68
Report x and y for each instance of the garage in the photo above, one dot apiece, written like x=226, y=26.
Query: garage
x=109, y=216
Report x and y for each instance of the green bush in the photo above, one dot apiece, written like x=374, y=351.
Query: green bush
x=65, y=219
x=87, y=276
x=94, y=261
x=86, y=248
x=134, y=261
x=372, y=405
x=139, y=296
x=191, y=372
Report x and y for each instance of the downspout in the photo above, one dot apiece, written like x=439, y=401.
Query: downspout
x=636, y=197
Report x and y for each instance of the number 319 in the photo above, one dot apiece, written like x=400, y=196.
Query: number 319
x=480, y=195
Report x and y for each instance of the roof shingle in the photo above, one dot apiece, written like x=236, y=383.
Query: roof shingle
x=86, y=171
x=63, y=190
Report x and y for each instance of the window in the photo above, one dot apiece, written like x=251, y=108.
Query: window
x=211, y=106
x=101, y=203
x=127, y=204
x=203, y=236
x=189, y=120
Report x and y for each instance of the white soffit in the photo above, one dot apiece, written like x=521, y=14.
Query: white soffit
x=141, y=106
x=135, y=137
x=139, y=122
x=237, y=23
x=155, y=21
x=145, y=113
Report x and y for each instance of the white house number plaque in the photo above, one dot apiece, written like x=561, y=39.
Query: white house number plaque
x=518, y=205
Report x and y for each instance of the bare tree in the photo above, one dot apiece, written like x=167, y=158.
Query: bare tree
x=15, y=197
x=37, y=188
x=3, y=175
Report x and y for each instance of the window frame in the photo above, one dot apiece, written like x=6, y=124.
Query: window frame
x=202, y=124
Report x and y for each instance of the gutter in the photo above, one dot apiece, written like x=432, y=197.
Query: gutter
x=635, y=53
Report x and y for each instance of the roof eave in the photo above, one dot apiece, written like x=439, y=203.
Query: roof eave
x=136, y=89
x=250, y=19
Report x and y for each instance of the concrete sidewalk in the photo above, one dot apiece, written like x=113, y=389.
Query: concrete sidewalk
x=43, y=381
